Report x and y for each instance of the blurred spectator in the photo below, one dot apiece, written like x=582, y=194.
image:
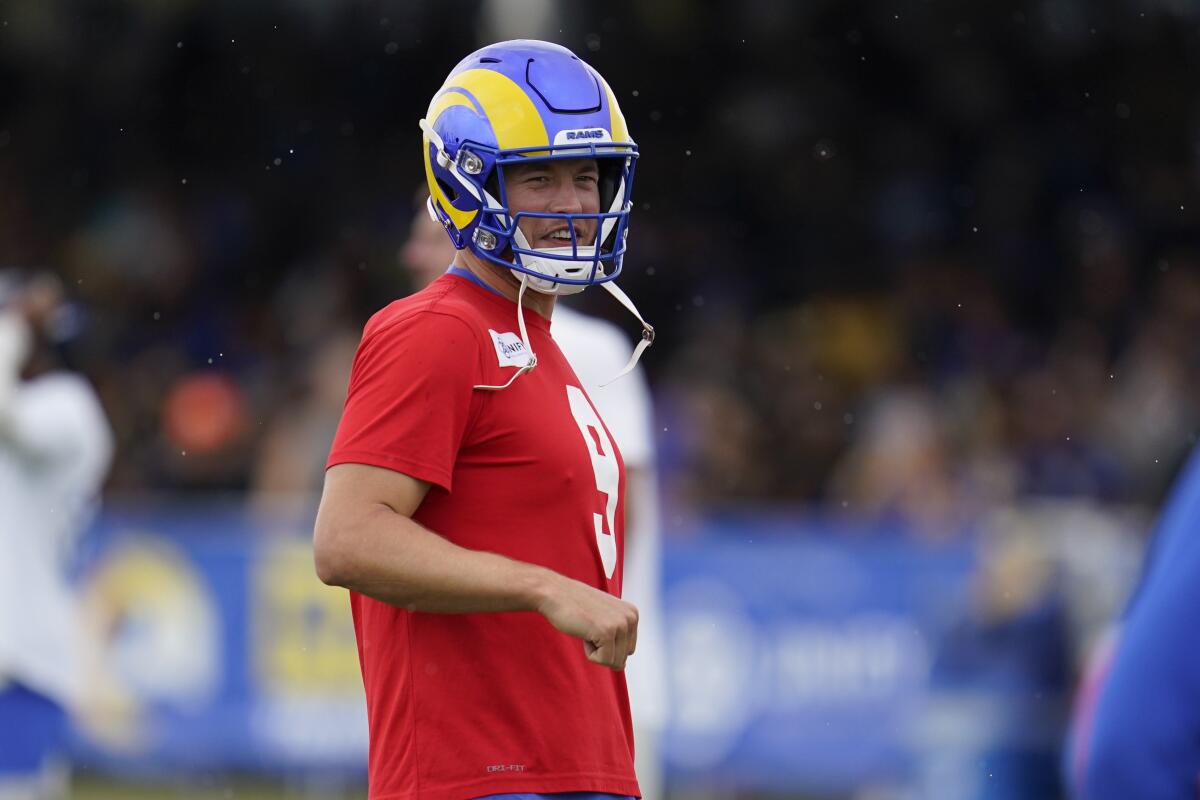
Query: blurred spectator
x=291, y=459
x=1012, y=640
x=900, y=468
x=885, y=221
x=1149, y=418
x=427, y=252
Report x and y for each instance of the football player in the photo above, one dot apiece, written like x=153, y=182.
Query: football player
x=55, y=448
x=474, y=499
x=1136, y=727
x=596, y=350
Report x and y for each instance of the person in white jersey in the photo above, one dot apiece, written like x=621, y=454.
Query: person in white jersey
x=597, y=350
x=55, y=449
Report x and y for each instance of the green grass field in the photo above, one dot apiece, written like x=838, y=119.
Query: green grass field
x=93, y=787
x=225, y=787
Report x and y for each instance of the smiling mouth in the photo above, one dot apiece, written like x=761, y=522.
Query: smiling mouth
x=562, y=238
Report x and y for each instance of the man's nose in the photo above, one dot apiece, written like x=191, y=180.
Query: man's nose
x=566, y=198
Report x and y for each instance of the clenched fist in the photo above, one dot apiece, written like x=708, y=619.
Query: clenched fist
x=606, y=624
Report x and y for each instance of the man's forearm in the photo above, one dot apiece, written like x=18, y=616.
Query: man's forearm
x=391, y=558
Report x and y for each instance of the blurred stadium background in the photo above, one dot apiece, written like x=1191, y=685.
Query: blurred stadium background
x=926, y=280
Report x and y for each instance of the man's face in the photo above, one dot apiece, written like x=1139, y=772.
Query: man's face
x=563, y=186
x=427, y=251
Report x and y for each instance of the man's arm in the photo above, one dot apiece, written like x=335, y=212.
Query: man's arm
x=365, y=540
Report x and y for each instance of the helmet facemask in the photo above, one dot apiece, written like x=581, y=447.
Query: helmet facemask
x=497, y=237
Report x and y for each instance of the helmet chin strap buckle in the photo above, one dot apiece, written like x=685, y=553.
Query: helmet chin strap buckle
x=647, y=331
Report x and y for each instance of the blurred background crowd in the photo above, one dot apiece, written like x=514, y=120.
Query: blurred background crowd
x=910, y=262
x=910, y=258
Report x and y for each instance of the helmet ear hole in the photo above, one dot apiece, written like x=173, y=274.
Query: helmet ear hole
x=492, y=185
x=611, y=173
x=448, y=190
x=609, y=243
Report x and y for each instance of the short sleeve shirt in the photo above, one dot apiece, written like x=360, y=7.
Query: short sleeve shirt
x=465, y=705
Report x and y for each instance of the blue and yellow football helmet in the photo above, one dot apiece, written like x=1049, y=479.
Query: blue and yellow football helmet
x=514, y=102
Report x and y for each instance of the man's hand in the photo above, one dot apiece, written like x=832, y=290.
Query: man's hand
x=606, y=624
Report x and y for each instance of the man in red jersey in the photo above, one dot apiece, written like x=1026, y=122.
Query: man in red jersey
x=474, y=500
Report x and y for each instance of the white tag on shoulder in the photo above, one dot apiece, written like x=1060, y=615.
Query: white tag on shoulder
x=510, y=350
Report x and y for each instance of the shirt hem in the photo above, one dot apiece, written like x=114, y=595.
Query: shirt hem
x=516, y=784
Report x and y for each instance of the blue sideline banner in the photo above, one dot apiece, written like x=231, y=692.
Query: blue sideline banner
x=799, y=657
x=211, y=645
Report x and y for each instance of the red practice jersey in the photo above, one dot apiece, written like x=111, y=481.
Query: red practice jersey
x=464, y=705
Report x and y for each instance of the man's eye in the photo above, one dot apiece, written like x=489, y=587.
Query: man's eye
x=588, y=178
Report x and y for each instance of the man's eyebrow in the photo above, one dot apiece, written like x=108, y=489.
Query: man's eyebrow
x=540, y=164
